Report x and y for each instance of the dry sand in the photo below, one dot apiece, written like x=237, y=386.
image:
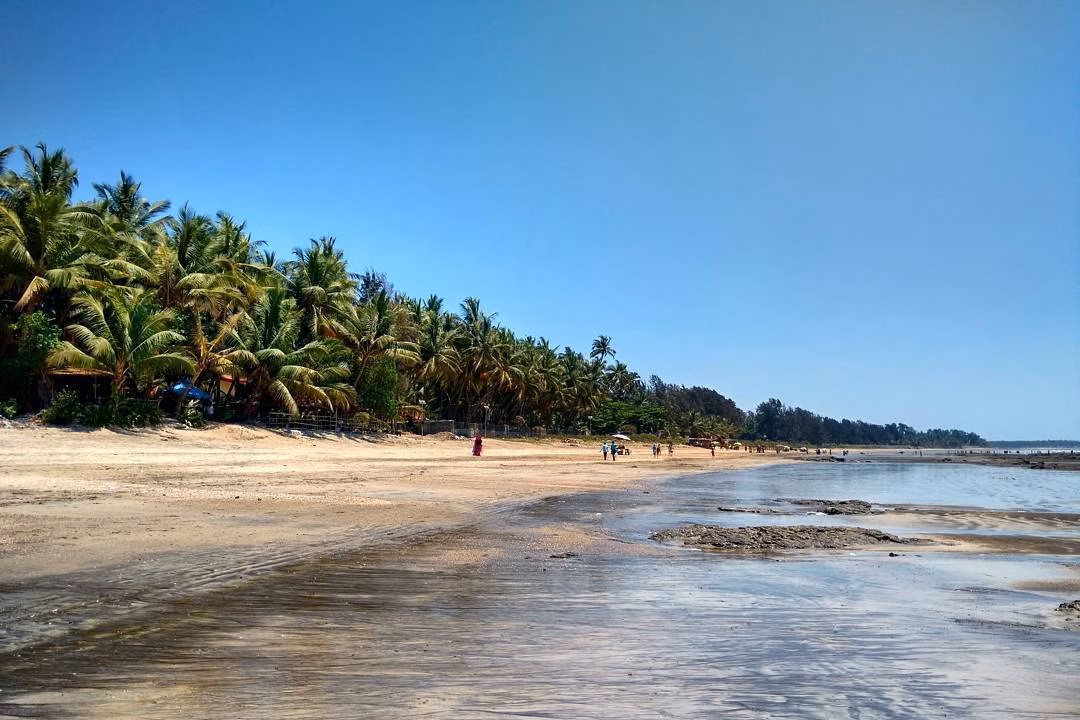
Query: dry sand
x=251, y=499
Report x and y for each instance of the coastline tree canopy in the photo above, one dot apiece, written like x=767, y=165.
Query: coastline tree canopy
x=135, y=299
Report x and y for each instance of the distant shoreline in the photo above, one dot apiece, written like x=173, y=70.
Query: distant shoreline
x=1069, y=460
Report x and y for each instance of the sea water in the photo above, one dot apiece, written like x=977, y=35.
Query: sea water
x=670, y=633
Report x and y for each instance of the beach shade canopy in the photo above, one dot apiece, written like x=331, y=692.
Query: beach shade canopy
x=618, y=436
x=192, y=392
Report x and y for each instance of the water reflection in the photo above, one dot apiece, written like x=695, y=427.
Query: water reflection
x=682, y=635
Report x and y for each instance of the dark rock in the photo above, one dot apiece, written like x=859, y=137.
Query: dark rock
x=563, y=556
x=838, y=507
x=790, y=537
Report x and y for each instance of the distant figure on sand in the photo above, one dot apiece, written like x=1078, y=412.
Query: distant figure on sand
x=477, y=445
x=614, y=450
x=604, y=449
x=670, y=449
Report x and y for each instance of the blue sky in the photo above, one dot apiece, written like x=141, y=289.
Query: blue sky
x=871, y=210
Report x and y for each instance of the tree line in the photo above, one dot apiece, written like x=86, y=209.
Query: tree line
x=140, y=296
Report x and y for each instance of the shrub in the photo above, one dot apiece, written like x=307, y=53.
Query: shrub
x=97, y=415
x=9, y=408
x=136, y=413
x=125, y=412
x=64, y=410
x=193, y=417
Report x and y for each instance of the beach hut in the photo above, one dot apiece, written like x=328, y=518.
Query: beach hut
x=89, y=384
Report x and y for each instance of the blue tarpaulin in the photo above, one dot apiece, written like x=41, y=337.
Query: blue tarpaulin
x=192, y=392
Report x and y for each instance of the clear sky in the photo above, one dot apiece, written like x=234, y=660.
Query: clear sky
x=867, y=209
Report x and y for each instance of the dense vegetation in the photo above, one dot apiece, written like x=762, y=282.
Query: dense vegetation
x=119, y=287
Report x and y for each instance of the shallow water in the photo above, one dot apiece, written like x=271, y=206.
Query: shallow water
x=679, y=634
x=695, y=499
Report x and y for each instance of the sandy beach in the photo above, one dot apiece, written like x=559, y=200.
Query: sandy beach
x=252, y=499
x=238, y=572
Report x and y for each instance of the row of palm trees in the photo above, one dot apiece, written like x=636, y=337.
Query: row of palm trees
x=148, y=297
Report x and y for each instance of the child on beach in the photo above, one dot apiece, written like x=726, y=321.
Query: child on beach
x=604, y=449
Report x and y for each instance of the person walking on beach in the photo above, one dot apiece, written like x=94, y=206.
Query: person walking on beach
x=614, y=450
x=604, y=449
x=478, y=445
x=670, y=449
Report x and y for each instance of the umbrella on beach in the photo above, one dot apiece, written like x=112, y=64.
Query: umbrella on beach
x=620, y=437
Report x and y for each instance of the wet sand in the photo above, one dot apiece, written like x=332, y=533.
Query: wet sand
x=404, y=578
x=169, y=513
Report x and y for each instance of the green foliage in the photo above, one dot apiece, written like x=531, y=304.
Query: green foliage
x=126, y=335
x=97, y=415
x=775, y=421
x=64, y=410
x=193, y=417
x=377, y=387
x=36, y=336
x=614, y=416
x=9, y=408
x=136, y=413
x=150, y=297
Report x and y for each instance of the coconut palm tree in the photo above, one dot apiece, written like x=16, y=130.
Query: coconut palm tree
x=319, y=281
x=41, y=231
x=601, y=348
x=125, y=335
x=622, y=383
x=125, y=203
x=281, y=374
x=484, y=349
x=368, y=332
x=437, y=357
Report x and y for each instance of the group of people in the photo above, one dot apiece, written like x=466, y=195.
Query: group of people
x=613, y=449
x=610, y=448
x=657, y=449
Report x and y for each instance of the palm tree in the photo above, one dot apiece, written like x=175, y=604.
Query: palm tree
x=40, y=231
x=231, y=241
x=622, y=383
x=433, y=305
x=601, y=348
x=124, y=202
x=484, y=349
x=437, y=357
x=368, y=332
x=582, y=388
x=319, y=281
x=126, y=336
x=279, y=373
